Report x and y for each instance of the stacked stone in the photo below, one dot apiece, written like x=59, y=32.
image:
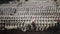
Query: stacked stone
x=44, y=12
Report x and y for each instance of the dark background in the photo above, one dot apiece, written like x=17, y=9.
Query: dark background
x=5, y=1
